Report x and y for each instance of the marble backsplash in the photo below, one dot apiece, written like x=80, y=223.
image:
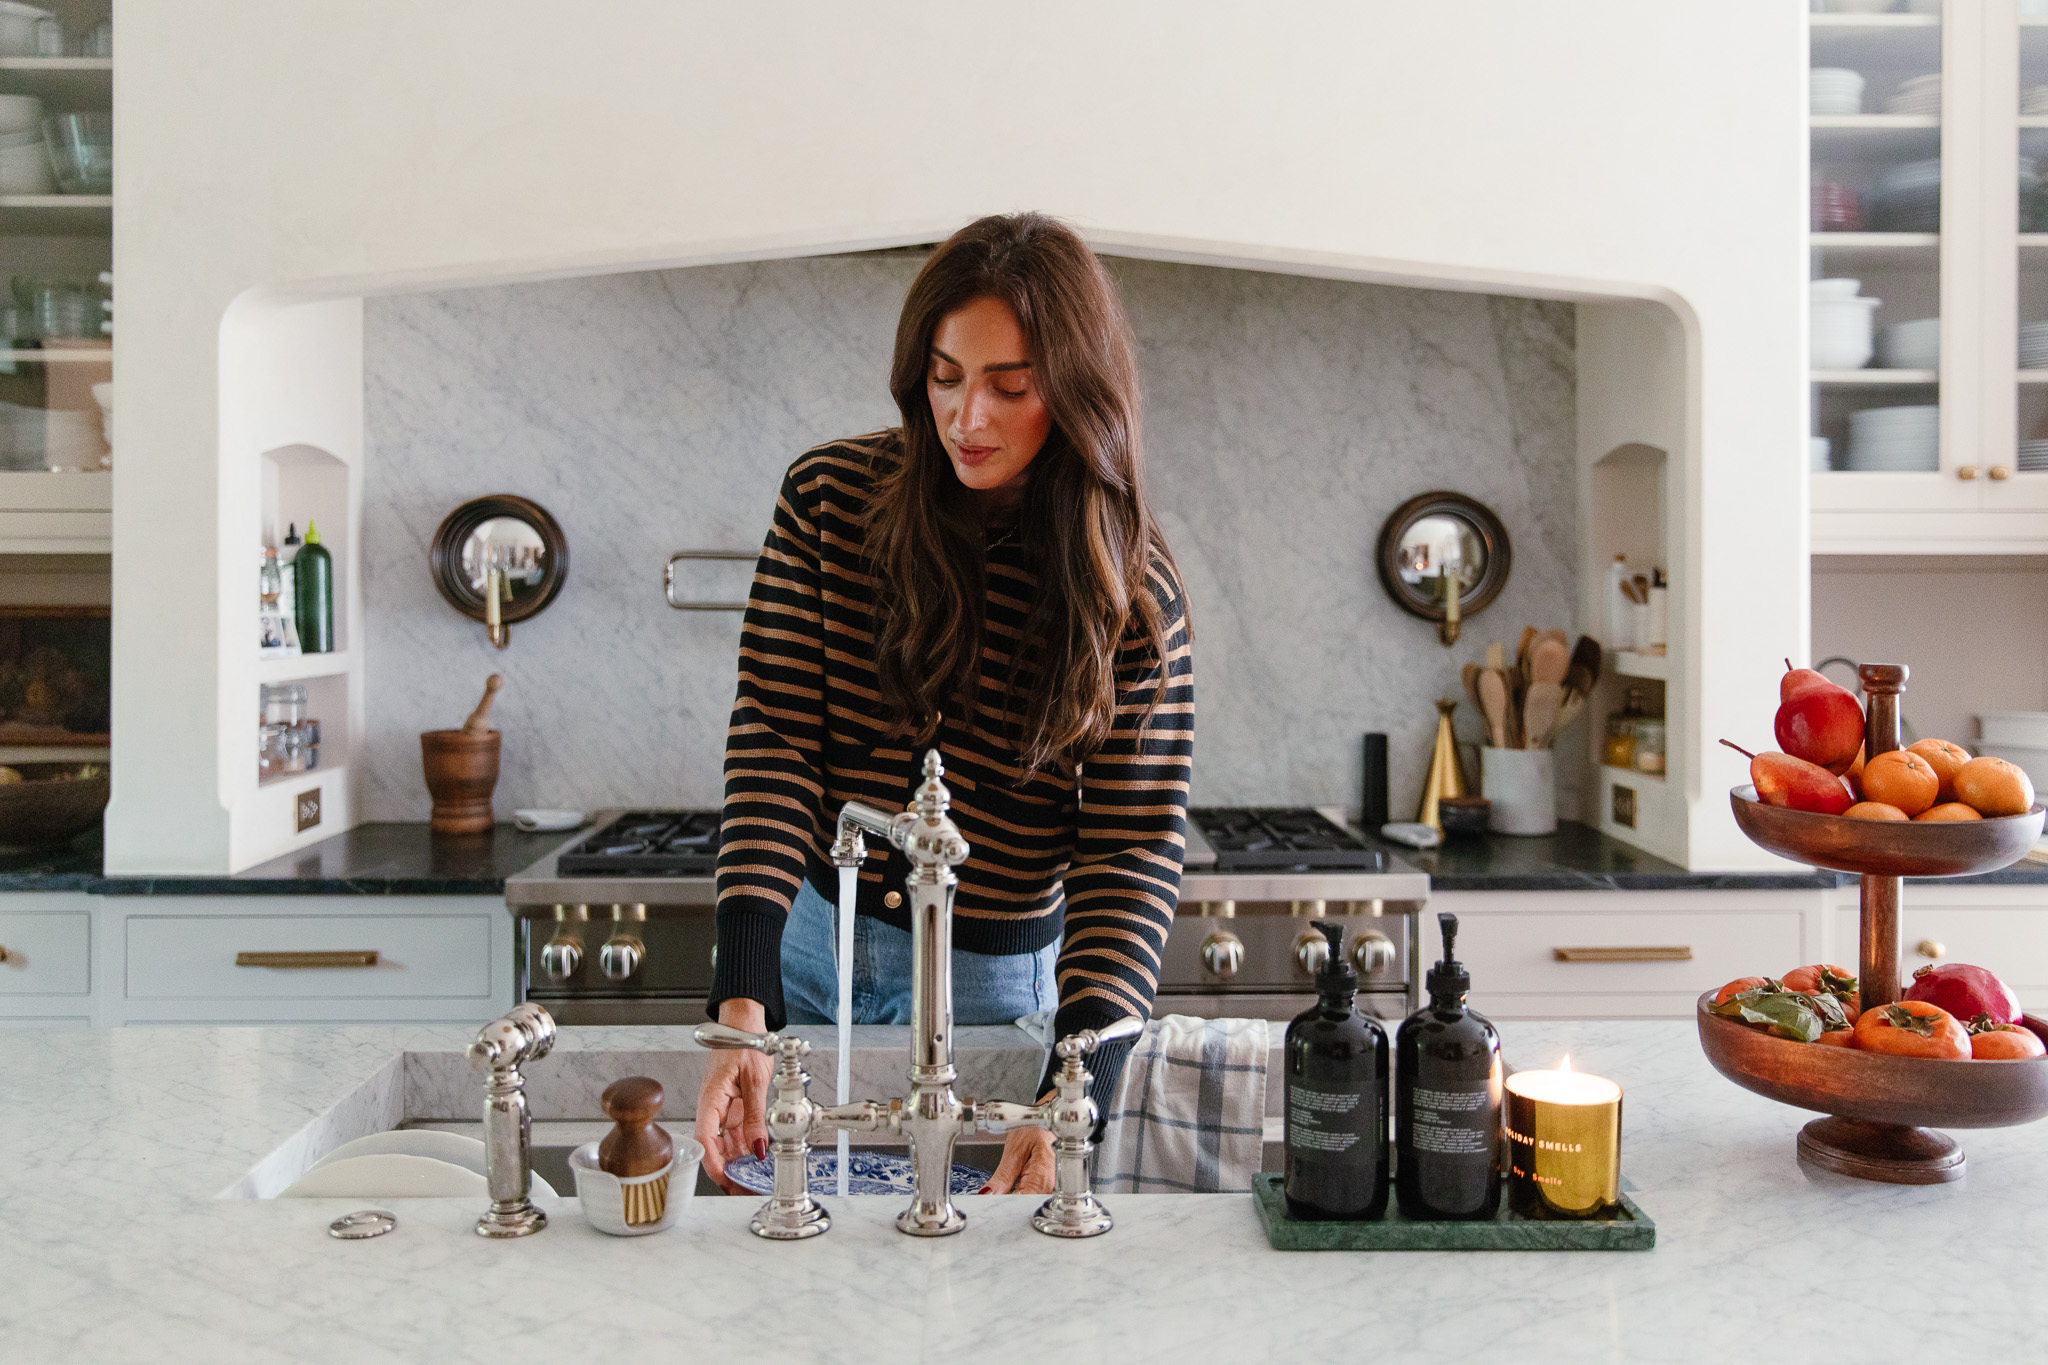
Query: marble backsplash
x=654, y=412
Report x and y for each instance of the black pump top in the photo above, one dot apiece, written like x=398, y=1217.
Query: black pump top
x=1448, y=977
x=1335, y=976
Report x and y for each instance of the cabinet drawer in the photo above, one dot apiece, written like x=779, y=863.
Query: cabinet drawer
x=1515, y=952
x=193, y=957
x=49, y=952
x=2010, y=940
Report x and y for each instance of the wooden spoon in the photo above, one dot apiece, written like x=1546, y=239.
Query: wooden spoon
x=1493, y=704
x=1470, y=673
x=1549, y=661
x=1586, y=655
x=1522, y=648
x=479, y=722
x=1540, y=712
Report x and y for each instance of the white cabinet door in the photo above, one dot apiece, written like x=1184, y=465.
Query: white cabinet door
x=2002, y=928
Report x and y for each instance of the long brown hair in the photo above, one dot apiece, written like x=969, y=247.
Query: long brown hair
x=1083, y=521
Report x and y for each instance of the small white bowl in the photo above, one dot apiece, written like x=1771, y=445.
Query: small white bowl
x=1914, y=345
x=548, y=821
x=1833, y=289
x=603, y=1194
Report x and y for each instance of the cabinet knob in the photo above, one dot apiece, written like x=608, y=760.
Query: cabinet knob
x=1223, y=954
x=3, y=954
x=1999, y=473
x=1932, y=949
x=1966, y=472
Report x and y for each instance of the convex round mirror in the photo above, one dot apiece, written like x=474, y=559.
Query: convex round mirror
x=502, y=538
x=1438, y=540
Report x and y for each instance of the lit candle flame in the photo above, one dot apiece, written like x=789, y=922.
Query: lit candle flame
x=1566, y=1065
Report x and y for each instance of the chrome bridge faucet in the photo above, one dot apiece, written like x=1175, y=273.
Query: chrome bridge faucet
x=524, y=1035
x=934, y=1118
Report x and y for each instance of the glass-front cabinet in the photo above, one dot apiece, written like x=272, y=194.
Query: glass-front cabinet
x=1929, y=259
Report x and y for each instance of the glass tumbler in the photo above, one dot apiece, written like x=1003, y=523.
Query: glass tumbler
x=81, y=150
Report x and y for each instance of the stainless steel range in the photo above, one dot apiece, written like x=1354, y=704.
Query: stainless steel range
x=616, y=926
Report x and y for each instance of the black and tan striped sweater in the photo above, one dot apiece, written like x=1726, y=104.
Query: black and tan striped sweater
x=1095, y=863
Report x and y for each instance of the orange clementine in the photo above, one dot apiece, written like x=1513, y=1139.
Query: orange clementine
x=1995, y=787
x=1854, y=777
x=1946, y=759
x=1948, y=810
x=1875, y=810
x=1901, y=778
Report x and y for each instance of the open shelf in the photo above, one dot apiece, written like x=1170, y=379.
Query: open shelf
x=1882, y=136
x=60, y=355
x=1896, y=248
x=54, y=753
x=2032, y=376
x=1630, y=664
x=57, y=215
x=1874, y=377
x=1877, y=21
x=64, y=80
x=273, y=668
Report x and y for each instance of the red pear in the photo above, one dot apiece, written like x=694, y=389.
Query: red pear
x=1792, y=782
x=1818, y=721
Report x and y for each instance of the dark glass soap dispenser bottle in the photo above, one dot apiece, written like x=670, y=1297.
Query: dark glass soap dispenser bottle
x=1447, y=1097
x=1336, y=1099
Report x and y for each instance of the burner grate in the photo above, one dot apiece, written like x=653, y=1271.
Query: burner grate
x=1281, y=838
x=647, y=844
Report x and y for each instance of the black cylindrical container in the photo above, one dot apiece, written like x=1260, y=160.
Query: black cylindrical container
x=1372, y=796
x=1336, y=1100
x=1447, y=1098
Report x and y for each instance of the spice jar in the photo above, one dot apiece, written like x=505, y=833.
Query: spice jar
x=1649, y=747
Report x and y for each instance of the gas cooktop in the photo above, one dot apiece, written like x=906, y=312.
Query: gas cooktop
x=647, y=843
x=1282, y=838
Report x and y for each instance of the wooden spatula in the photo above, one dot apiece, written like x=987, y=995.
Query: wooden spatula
x=1539, y=713
x=1470, y=673
x=1493, y=704
x=1586, y=655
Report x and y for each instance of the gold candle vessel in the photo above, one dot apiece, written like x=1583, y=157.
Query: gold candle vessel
x=1564, y=1143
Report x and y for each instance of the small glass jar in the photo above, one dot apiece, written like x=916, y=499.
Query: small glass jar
x=272, y=756
x=284, y=703
x=1619, y=750
x=1649, y=746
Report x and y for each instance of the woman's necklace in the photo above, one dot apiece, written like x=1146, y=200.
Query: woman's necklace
x=1004, y=539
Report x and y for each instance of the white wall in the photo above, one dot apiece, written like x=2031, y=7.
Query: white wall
x=1581, y=149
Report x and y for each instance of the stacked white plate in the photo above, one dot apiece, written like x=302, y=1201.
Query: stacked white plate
x=1917, y=95
x=1817, y=450
x=2034, y=346
x=1914, y=345
x=2034, y=102
x=1834, y=90
x=1903, y=440
x=2033, y=457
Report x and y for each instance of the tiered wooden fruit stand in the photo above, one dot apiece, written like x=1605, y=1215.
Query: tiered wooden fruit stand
x=1884, y=1112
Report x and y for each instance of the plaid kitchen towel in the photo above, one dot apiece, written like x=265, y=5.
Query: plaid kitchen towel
x=1190, y=1110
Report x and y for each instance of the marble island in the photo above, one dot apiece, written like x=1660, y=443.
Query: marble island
x=130, y=1232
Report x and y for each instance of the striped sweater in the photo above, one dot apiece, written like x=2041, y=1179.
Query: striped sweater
x=1096, y=864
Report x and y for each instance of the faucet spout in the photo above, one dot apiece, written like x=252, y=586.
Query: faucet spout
x=524, y=1035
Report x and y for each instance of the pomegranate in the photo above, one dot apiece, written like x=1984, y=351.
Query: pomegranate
x=1965, y=991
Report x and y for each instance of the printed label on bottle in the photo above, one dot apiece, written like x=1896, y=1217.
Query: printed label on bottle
x=1326, y=1120
x=1454, y=1122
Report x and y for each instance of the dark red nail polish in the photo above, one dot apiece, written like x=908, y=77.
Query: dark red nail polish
x=984, y=1189
x=760, y=1149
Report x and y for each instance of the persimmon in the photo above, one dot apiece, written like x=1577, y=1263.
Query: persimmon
x=1837, y=1037
x=1825, y=978
x=1992, y=1041
x=1913, y=1028
x=1738, y=986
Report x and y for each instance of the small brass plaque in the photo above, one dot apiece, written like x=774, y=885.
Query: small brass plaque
x=1624, y=806
x=308, y=810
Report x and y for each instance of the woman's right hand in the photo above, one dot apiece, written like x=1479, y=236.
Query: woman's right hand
x=732, y=1103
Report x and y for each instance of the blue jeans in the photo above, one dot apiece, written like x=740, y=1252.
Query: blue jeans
x=986, y=989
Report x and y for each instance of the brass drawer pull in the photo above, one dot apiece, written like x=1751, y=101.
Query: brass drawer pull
x=316, y=958
x=1678, y=954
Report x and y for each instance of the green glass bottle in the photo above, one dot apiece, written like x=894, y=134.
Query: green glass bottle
x=314, y=604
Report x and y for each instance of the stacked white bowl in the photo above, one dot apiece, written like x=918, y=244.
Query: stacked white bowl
x=2034, y=346
x=1818, y=450
x=2034, y=102
x=1903, y=440
x=2033, y=457
x=2017, y=737
x=1834, y=90
x=1839, y=336
x=1914, y=345
x=24, y=160
x=1917, y=95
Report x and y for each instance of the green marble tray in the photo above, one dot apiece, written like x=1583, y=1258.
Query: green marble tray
x=1629, y=1229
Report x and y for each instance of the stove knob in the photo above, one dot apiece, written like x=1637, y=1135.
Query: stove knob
x=1372, y=953
x=1311, y=951
x=1223, y=954
x=620, y=957
x=561, y=959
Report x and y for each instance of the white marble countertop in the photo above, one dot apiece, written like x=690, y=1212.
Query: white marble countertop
x=115, y=1242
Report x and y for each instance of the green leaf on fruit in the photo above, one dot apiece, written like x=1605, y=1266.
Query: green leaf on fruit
x=1787, y=1014
x=1836, y=984
x=1984, y=1023
x=1898, y=1016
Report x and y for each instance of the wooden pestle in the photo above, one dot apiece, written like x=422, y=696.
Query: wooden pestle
x=636, y=1145
x=479, y=722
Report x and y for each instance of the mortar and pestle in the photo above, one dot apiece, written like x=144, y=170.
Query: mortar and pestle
x=462, y=769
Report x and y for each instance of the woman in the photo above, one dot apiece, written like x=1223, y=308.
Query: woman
x=986, y=578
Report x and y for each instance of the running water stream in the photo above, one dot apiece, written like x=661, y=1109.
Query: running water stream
x=848, y=879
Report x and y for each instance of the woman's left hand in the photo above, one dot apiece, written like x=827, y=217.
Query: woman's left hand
x=1026, y=1167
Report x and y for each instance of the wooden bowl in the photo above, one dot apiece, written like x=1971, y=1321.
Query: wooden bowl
x=1887, y=848
x=53, y=805
x=1884, y=1109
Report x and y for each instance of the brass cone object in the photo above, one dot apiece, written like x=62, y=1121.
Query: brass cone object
x=1444, y=777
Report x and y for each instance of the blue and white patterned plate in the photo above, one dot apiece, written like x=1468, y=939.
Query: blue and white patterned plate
x=867, y=1172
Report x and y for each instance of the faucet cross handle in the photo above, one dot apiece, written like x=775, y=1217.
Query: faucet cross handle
x=726, y=1038
x=1073, y=1210
x=1088, y=1039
